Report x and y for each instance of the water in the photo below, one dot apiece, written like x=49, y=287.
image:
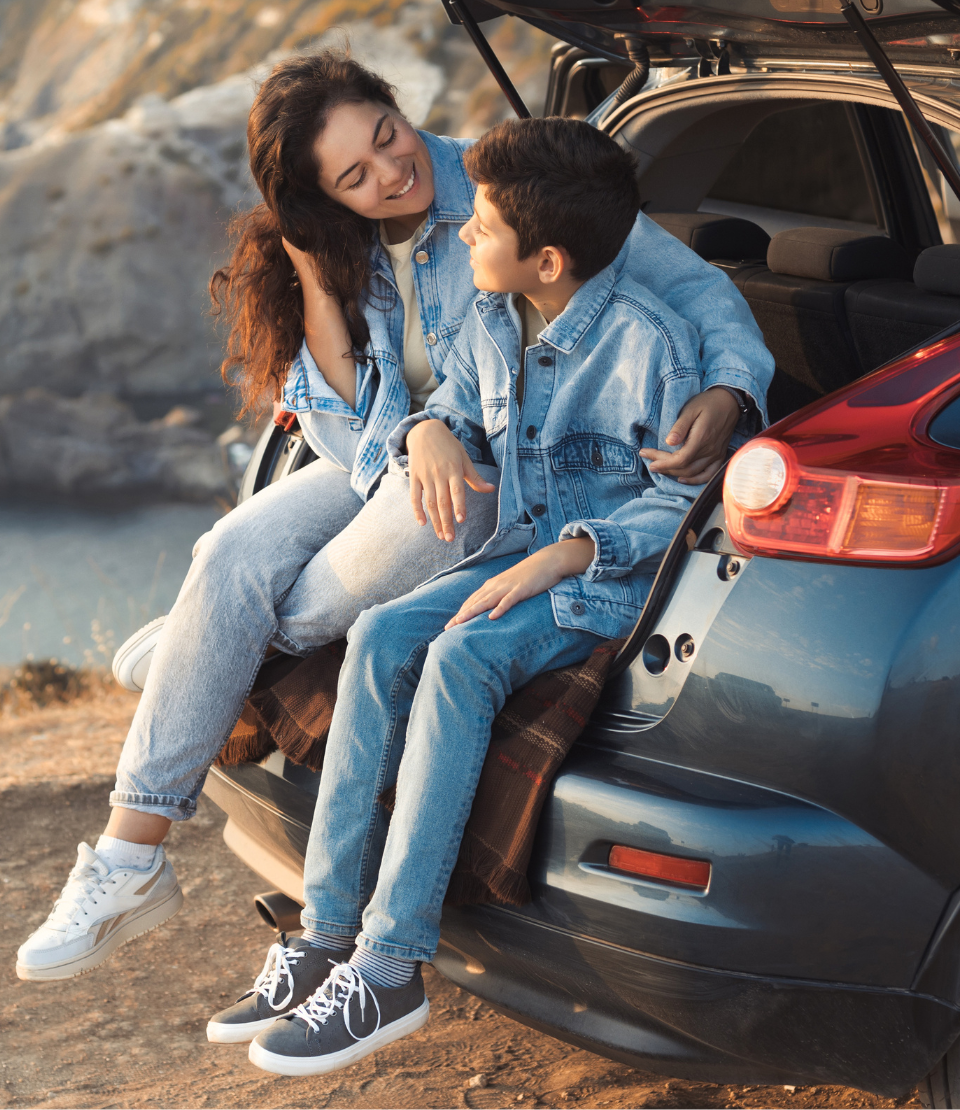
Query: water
x=74, y=583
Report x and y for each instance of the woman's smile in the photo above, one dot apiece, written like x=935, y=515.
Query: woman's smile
x=410, y=182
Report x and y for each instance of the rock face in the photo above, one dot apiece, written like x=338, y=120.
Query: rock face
x=95, y=447
x=122, y=160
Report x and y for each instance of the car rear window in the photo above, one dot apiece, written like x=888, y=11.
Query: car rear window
x=803, y=161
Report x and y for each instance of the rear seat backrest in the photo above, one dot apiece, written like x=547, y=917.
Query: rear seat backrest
x=713, y=236
x=889, y=317
x=798, y=302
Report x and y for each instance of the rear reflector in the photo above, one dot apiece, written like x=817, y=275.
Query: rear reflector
x=652, y=865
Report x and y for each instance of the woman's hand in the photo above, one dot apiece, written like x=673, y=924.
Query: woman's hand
x=535, y=574
x=439, y=466
x=704, y=427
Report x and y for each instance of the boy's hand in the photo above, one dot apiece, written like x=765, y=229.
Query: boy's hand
x=439, y=466
x=704, y=427
x=532, y=576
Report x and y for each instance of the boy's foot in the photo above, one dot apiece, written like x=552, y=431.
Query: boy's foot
x=293, y=971
x=134, y=656
x=344, y=1021
x=97, y=911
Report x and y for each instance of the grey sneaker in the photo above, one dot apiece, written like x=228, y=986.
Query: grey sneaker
x=292, y=972
x=344, y=1021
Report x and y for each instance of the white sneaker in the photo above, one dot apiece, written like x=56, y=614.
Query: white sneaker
x=134, y=656
x=97, y=911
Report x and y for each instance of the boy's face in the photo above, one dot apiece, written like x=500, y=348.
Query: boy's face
x=493, y=251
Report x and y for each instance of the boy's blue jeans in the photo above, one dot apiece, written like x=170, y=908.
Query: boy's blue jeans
x=415, y=707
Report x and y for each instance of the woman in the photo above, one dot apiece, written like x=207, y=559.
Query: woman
x=348, y=285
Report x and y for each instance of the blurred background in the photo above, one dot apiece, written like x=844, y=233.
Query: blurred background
x=122, y=159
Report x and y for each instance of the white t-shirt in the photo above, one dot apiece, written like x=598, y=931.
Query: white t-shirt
x=416, y=369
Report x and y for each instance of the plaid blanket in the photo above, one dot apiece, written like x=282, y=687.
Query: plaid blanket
x=291, y=705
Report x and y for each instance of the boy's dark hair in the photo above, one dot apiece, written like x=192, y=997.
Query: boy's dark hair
x=559, y=183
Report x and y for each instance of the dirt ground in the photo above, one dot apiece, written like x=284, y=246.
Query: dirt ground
x=131, y=1034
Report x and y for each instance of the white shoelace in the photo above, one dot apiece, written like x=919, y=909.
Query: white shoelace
x=277, y=966
x=340, y=986
x=85, y=881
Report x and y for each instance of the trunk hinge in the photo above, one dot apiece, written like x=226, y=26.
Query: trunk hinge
x=459, y=9
x=908, y=105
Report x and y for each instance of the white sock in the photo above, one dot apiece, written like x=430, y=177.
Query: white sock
x=124, y=853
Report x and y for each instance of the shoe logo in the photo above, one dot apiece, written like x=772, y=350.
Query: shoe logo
x=149, y=883
x=109, y=925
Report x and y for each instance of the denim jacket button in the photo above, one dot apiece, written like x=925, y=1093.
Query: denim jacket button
x=421, y=257
x=531, y=432
x=545, y=360
x=578, y=608
x=538, y=510
x=432, y=339
x=596, y=458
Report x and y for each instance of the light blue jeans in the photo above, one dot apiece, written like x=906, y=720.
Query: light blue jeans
x=293, y=566
x=415, y=707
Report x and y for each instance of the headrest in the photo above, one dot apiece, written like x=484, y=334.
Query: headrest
x=938, y=270
x=714, y=236
x=826, y=254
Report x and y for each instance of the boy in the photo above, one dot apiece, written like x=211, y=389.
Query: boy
x=562, y=373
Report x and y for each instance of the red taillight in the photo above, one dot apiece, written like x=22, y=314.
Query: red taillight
x=854, y=477
x=660, y=868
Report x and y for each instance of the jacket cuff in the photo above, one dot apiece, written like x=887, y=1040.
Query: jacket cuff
x=397, y=440
x=306, y=388
x=612, y=558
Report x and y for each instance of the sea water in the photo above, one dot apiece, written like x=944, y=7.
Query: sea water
x=74, y=583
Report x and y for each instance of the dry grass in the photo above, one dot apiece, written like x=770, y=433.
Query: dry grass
x=67, y=734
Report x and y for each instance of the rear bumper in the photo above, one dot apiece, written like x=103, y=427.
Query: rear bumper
x=693, y=1022
x=664, y=1015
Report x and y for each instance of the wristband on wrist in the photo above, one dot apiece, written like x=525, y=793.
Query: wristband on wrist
x=738, y=395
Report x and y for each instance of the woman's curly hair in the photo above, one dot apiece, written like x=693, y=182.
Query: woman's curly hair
x=257, y=292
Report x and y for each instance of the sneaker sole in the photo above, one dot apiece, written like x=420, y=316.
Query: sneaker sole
x=88, y=961
x=222, y=1033
x=333, y=1061
x=122, y=667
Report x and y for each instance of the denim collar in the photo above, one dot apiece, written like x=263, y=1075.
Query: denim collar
x=565, y=331
x=452, y=196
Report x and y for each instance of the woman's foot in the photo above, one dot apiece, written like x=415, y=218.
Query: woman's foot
x=347, y=1019
x=293, y=971
x=98, y=910
x=134, y=656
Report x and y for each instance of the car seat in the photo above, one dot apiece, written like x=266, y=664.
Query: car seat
x=798, y=302
x=889, y=317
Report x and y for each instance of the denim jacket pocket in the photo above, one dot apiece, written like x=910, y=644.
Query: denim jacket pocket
x=494, y=416
x=583, y=464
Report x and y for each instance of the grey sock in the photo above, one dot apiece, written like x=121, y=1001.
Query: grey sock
x=383, y=971
x=325, y=940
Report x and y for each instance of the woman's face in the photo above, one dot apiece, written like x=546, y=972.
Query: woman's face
x=374, y=162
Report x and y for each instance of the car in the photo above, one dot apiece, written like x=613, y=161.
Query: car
x=748, y=868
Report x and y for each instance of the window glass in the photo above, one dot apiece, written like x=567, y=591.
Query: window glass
x=802, y=160
x=946, y=205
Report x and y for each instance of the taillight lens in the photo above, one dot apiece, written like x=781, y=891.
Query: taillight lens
x=855, y=477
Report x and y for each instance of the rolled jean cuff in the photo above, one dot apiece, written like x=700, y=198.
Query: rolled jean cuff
x=328, y=927
x=164, y=805
x=397, y=951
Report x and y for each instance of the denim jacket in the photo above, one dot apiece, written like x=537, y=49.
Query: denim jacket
x=608, y=377
x=730, y=343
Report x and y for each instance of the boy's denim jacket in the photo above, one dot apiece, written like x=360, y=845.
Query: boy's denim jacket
x=731, y=346
x=608, y=376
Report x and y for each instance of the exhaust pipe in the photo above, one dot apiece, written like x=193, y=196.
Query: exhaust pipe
x=278, y=911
